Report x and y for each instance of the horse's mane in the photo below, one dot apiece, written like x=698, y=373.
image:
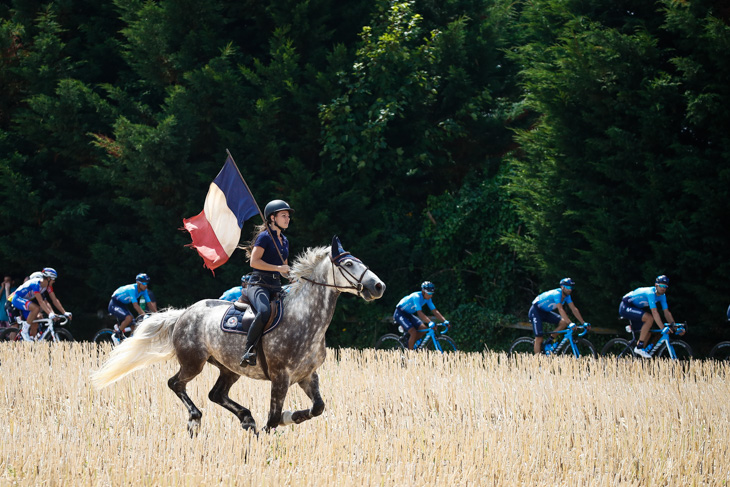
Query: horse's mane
x=305, y=265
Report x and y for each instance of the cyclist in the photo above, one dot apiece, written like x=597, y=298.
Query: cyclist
x=29, y=301
x=544, y=308
x=235, y=293
x=633, y=307
x=126, y=295
x=268, y=254
x=409, y=312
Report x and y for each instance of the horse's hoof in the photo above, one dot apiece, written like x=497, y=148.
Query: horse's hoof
x=249, y=427
x=193, y=427
x=286, y=418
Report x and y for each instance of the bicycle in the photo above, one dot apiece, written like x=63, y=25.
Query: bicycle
x=46, y=331
x=665, y=347
x=721, y=351
x=572, y=343
x=433, y=340
x=108, y=335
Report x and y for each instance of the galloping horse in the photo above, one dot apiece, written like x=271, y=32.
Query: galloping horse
x=291, y=353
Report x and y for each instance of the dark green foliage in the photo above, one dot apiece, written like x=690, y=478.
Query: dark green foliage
x=623, y=179
x=387, y=123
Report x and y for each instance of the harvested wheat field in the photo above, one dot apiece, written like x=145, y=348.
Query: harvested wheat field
x=461, y=419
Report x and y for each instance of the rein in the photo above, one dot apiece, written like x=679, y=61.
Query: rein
x=355, y=283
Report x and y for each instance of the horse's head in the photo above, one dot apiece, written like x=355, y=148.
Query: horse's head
x=352, y=276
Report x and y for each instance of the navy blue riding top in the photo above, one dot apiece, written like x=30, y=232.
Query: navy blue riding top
x=270, y=245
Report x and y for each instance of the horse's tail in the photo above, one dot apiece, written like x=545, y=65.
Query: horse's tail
x=151, y=343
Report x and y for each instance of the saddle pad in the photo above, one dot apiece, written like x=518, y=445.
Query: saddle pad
x=239, y=321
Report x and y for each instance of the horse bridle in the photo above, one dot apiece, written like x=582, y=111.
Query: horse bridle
x=355, y=283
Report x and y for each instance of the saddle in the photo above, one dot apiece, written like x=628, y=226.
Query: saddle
x=239, y=316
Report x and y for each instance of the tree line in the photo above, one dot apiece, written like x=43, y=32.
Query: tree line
x=490, y=146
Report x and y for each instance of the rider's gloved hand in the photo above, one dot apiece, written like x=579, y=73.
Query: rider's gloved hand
x=447, y=324
x=586, y=324
x=431, y=324
x=53, y=316
x=67, y=314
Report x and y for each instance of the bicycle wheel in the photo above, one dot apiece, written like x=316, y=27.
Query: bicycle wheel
x=104, y=336
x=389, y=341
x=721, y=351
x=63, y=335
x=681, y=348
x=618, y=348
x=585, y=348
x=447, y=344
x=8, y=334
x=522, y=346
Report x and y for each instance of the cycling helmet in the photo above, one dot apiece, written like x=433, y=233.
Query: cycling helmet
x=567, y=282
x=143, y=278
x=428, y=287
x=275, y=206
x=36, y=275
x=662, y=280
x=50, y=273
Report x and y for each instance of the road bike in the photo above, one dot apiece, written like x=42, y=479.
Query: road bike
x=571, y=343
x=46, y=331
x=435, y=339
x=665, y=347
x=721, y=351
x=108, y=335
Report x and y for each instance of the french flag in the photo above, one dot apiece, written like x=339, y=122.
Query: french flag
x=216, y=231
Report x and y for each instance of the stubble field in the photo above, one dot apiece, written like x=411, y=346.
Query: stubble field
x=459, y=419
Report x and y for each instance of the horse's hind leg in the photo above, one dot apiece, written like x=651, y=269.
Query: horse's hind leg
x=219, y=395
x=188, y=370
x=310, y=385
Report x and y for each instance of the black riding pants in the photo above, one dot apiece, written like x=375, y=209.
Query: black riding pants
x=260, y=299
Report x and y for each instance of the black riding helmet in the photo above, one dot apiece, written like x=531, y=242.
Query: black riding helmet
x=276, y=206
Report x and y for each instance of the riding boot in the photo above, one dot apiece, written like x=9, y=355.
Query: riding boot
x=249, y=358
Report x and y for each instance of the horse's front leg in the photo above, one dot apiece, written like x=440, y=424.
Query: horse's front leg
x=310, y=386
x=279, y=387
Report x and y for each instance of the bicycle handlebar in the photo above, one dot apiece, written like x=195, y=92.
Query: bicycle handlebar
x=573, y=326
x=435, y=325
x=62, y=320
x=677, y=327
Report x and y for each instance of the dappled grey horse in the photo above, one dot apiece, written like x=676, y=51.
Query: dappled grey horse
x=291, y=353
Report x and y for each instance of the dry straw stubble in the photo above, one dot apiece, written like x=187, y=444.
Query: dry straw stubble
x=458, y=419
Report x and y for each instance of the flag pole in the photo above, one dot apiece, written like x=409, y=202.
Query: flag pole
x=266, y=224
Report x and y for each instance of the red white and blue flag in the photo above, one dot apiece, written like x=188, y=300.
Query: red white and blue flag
x=216, y=231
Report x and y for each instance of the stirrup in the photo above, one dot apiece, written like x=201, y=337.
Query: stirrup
x=249, y=358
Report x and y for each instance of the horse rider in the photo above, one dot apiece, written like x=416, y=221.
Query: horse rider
x=268, y=255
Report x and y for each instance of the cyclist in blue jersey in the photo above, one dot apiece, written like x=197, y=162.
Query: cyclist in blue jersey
x=235, y=293
x=29, y=301
x=409, y=312
x=126, y=295
x=544, y=308
x=268, y=254
x=634, y=307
